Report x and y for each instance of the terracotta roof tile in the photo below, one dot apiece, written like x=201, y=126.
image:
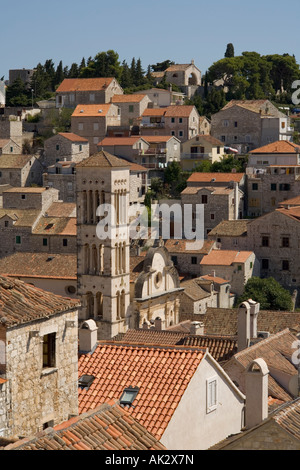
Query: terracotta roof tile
x=84, y=84
x=220, y=347
x=14, y=161
x=119, y=362
x=119, y=141
x=72, y=137
x=104, y=160
x=156, y=112
x=223, y=321
x=218, y=177
x=230, y=228
x=91, y=110
x=134, y=98
x=187, y=246
x=225, y=257
x=281, y=146
x=22, y=303
x=39, y=265
x=179, y=111
x=103, y=428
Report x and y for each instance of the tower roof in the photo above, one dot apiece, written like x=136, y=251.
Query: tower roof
x=103, y=159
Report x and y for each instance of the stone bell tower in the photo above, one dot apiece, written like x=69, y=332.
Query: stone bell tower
x=103, y=272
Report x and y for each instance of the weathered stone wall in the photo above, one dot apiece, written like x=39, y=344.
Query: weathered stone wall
x=58, y=148
x=37, y=395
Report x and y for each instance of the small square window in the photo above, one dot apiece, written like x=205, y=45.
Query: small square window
x=273, y=186
x=204, y=199
x=285, y=265
x=255, y=186
x=265, y=241
x=57, y=147
x=129, y=395
x=65, y=242
x=18, y=240
x=285, y=242
x=45, y=241
x=172, y=119
x=131, y=108
x=194, y=260
x=265, y=264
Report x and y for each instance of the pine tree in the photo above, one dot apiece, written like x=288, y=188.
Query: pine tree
x=229, y=50
x=59, y=74
x=126, y=79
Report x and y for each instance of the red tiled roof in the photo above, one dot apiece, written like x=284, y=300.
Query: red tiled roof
x=157, y=138
x=220, y=347
x=91, y=110
x=115, y=141
x=281, y=146
x=84, y=84
x=189, y=246
x=134, y=98
x=103, y=159
x=39, y=265
x=22, y=303
x=154, y=112
x=219, y=177
x=72, y=137
x=225, y=257
x=109, y=427
x=162, y=374
x=180, y=111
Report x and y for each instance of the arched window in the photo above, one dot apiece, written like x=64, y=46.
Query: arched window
x=123, y=310
x=99, y=303
x=101, y=259
x=94, y=260
x=118, y=310
x=86, y=258
x=90, y=305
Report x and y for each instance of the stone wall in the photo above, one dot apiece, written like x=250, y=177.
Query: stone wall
x=36, y=395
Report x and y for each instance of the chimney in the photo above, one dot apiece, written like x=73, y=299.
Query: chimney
x=158, y=323
x=256, y=387
x=247, y=323
x=197, y=328
x=88, y=336
x=243, y=326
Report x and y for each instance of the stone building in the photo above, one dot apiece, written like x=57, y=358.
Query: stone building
x=148, y=150
x=12, y=128
x=274, y=237
x=9, y=147
x=230, y=235
x=200, y=148
x=180, y=121
x=23, y=74
x=91, y=122
x=266, y=189
x=20, y=170
x=161, y=98
x=32, y=220
x=65, y=146
x=75, y=91
x=130, y=107
x=247, y=125
x=103, y=260
x=38, y=359
x=61, y=176
x=187, y=77
x=236, y=266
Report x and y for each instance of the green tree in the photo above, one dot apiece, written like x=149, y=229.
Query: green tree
x=172, y=172
x=229, y=50
x=269, y=293
x=126, y=79
x=162, y=66
x=17, y=94
x=59, y=75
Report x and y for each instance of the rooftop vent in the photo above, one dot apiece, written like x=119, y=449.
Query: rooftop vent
x=100, y=111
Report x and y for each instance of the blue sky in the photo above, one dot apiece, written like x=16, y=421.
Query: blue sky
x=33, y=31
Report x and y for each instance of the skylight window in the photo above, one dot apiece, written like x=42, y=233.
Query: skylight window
x=86, y=381
x=129, y=395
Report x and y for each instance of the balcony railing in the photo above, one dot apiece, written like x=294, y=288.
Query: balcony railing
x=197, y=156
x=153, y=124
